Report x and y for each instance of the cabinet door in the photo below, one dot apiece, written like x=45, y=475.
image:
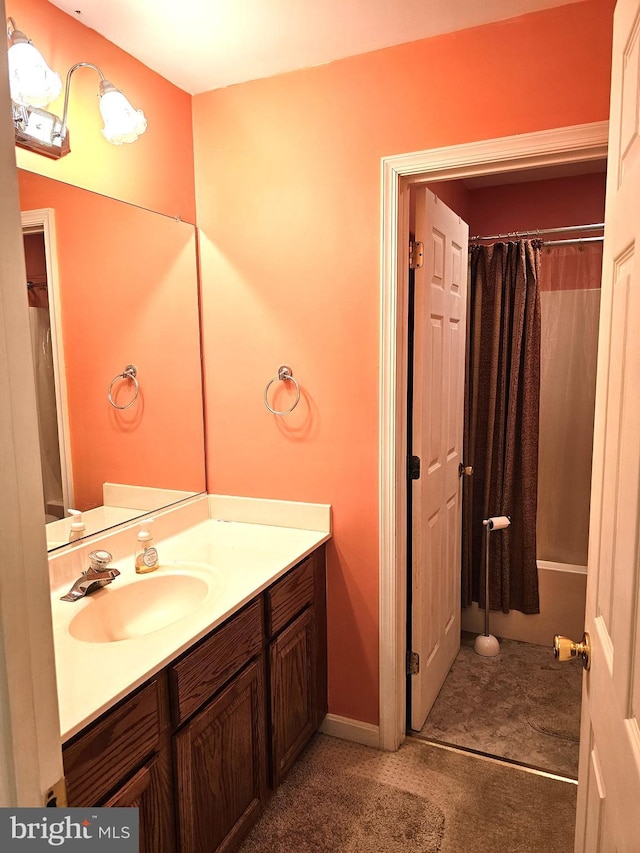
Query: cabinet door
x=149, y=790
x=293, y=692
x=221, y=766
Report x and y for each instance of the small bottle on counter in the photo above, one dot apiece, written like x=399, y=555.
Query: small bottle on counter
x=146, y=553
x=77, y=525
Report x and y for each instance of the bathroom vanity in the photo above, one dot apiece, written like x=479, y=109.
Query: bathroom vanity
x=199, y=744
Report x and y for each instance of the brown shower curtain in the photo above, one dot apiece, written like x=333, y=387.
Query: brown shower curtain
x=501, y=424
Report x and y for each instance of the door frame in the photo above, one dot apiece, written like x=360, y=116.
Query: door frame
x=565, y=145
x=43, y=220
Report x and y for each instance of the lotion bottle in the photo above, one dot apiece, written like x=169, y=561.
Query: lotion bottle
x=77, y=525
x=146, y=553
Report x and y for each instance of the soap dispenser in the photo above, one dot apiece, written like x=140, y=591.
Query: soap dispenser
x=77, y=525
x=146, y=553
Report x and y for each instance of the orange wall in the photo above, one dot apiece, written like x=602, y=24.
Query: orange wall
x=288, y=200
x=128, y=296
x=576, y=200
x=157, y=170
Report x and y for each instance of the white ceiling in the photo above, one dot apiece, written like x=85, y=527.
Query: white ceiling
x=206, y=44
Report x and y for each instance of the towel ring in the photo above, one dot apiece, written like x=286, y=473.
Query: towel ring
x=284, y=375
x=130, y=372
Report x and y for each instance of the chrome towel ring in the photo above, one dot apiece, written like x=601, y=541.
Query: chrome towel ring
x=285, y=374
x=130, y=372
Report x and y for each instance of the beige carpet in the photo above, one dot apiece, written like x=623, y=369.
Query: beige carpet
x=346, y=798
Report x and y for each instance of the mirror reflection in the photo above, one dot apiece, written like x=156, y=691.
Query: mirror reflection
x=113, y=305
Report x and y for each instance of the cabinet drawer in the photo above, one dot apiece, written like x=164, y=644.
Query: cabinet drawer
x=290, y=595
x=114, y=745
x=203, y=671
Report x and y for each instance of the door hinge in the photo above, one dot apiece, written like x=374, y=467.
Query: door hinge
x=413, y=663
x=416, y=254
x=56, y=796
x=413, y=467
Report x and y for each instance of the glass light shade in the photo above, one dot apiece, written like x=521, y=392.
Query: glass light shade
x=122, y=122
x=31, y=81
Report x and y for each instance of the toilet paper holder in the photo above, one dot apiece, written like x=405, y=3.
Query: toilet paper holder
x=486, y=644
x=497, y=522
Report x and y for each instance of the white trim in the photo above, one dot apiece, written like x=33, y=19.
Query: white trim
x=305, y=516
x=570, y=568
x=510, y=153
x=353, y=730
x=579, y=143
x=147, y=498
x=45, y=219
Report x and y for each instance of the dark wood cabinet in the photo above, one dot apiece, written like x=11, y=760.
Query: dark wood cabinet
x=221, y=766
x=197, y=675
x=124, y=759
x=150, y=790
x=296, y=626
x=218, y=699
x=195, y=747
x=293, y=692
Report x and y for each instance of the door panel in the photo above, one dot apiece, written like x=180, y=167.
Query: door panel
x=437, y=421
x=609, y=780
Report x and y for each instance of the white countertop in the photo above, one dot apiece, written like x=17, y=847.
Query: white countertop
x=244, y=558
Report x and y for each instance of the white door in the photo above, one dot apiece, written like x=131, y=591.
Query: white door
x=440, y=305
x=609, y=776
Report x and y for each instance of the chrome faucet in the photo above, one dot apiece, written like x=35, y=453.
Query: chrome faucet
x=95, y=577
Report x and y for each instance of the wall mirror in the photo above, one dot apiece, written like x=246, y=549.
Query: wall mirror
x=110, y=286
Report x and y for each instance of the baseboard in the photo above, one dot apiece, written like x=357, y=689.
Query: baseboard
x=353, y=730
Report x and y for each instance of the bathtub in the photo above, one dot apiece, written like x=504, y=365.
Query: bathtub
x=562, y=588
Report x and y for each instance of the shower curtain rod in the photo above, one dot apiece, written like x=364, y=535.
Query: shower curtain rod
x=574, y=241
x=598, y=226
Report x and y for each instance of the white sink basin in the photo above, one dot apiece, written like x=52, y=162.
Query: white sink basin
x=141, y=607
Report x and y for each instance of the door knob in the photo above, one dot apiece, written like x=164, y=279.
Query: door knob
x=467, y=470
x=566, y=649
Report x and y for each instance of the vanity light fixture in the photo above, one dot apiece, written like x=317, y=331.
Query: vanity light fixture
x=34, y=85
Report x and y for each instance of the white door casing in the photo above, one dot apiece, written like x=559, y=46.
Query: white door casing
x=609, y=774
x=580, y=143
x=44, y=220
x=440, y=303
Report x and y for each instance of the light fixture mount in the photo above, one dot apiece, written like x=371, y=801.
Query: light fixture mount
x=40, y=131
